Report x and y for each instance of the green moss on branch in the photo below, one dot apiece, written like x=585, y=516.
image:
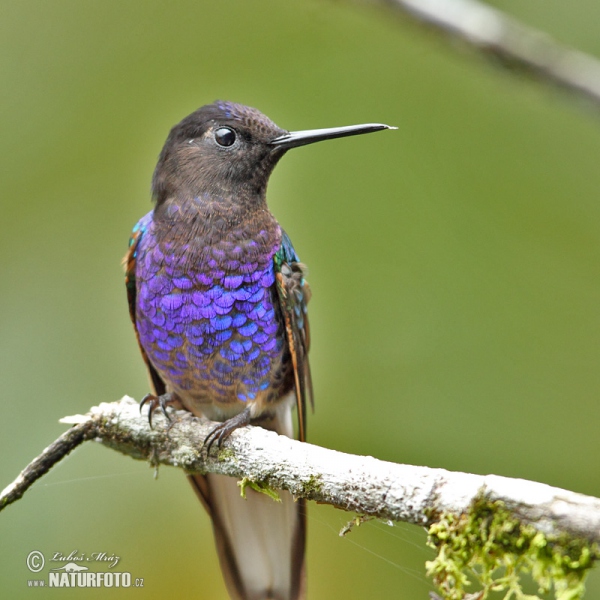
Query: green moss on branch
x=489, y=547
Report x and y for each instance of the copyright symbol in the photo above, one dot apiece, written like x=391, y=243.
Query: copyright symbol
x=35, y=561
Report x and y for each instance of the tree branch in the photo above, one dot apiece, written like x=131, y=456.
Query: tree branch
x=361, y=484
x=480, y=525
x=508, y=42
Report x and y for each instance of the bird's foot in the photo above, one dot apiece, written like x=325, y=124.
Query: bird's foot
x=222, y=431
x=155, y=402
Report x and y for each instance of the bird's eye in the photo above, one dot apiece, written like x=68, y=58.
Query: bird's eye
x=225, y=136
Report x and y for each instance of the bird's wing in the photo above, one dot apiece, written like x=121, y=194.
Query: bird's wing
x=294, y=293
x=129, y=262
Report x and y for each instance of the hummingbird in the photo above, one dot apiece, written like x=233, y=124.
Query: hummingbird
x=218, y=298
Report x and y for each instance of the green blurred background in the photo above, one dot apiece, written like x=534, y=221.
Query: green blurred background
x=455, y=264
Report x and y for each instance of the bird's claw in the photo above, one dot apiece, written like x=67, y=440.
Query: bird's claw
x=222, y=431
x=156, y=402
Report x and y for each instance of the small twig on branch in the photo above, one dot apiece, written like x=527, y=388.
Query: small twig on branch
x=506, y=40
x=361, y=484
x=46, y=460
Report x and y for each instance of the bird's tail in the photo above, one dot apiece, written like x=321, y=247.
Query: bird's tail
x=260, y=542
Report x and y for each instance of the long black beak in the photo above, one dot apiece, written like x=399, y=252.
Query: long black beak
x=293, y=139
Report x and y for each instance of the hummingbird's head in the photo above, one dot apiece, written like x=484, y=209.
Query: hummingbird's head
x=229, y=150
x=220, y=148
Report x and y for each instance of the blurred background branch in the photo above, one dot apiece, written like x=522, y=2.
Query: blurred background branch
x=508, y=42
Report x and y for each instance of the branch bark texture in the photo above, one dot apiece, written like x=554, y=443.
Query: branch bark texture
x=361, y=484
